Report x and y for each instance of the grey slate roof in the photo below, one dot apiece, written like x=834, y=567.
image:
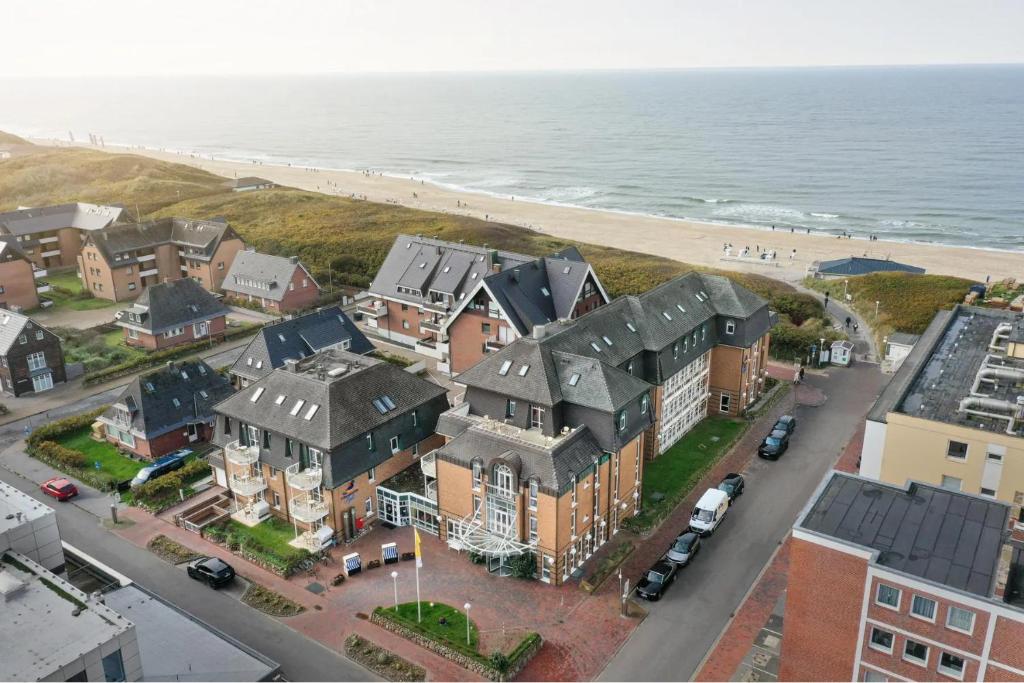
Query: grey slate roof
x=172, y=304
x=903, y=338
x=553, y=467
x=151, y=398
x=75, y=215
x=273, y=271
x=345, y=403
x=11, y=326
x=947, y=537
x=303, y=336
x=9, y=251
x=859, y=265
x=201, y=238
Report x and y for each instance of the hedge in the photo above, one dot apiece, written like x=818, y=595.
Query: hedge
x=52, y=431
x=71, y=463
x=162, y=486
x=251, y=549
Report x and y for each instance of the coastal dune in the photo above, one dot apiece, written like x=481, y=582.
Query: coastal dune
x=682, y=240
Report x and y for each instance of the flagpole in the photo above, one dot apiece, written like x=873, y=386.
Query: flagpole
x=419, y=615
x=419, y=563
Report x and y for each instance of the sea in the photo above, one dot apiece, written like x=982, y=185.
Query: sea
x=922, y=154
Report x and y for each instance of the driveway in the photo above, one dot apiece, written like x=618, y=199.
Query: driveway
x=671, y=642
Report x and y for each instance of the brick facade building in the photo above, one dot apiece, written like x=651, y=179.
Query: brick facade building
x=52, y=236
x=31, y=359
x=173, y=313
x=275, y=283
x=19, y=287
x=903, y=583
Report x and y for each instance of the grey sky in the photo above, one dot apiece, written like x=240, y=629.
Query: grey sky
x=142, y=37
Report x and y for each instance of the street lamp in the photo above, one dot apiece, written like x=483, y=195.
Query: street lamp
x=876, y=310
x=394, y=579
x=467, y=606
x=845, y=283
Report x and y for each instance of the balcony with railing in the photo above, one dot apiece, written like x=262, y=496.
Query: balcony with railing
x=436, y=306
x=374, y=309
x=429, y=326
x=307, y=509
x=428, y=464
x=431, y=490
x=248, y=484
x=494, y=344
x=238, y=454
x=40, y=272
x=303, y=479
x=42, y=287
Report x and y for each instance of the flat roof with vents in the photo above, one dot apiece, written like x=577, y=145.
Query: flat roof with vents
x=951, y=538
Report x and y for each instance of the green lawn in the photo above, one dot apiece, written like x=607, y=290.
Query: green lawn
x=110, y=460
x=272, y=533
x=67, y=292
x=453, y=631
x=674, y=472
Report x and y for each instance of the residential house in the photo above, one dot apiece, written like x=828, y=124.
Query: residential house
x=457, y=302
x=52, y=236
x=19, y=286
x=953, y=414
x=173, y=313
x=296, y=338
x=310, y=442
x=120, y=262
x=908, y=582
x=31, y=359
x=167, y=409
x=275, y=283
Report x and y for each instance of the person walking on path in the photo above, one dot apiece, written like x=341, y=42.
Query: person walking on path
x=801, y=373
x=856, y=327
x=848, y=321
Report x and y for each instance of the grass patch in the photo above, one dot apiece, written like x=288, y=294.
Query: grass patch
x=673, y=473
x=384, y=663
x=97, y=349
x=271, y=533
x=265, y=544
x=270, y=602
x=171, y=551
x=452, y=632
x=66, y=292
x=111, y=461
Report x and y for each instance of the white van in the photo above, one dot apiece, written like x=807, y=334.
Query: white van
x=709, y=512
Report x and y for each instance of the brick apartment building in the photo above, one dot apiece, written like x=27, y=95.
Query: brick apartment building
x=19, y=286
x=953, y=414
x=31, y=359
x=52, y=236
x=457, y=302
x=121, y=261
x=172, y=313
x=902, y=583
x=167, y=409
x=275, y=283
x=310, y=442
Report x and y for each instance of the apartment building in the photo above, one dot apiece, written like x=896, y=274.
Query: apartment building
x=20, y=285
x=167, y=409
x=953, y=414
x=458, y=302
x=31, y=358
x=296, y=338
x=275, y=283
x=544, y=456
x=902, y=582
x=311, y=441
x=121, y=261
x=52, y=236
x=172, y=313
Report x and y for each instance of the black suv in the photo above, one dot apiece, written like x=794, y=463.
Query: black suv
x=774, y=445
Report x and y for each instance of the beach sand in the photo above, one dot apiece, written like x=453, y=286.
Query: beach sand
x=687, y=241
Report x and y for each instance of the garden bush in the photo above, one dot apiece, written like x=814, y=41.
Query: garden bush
x=524, y=566
x=59, y=456
x=63, y=427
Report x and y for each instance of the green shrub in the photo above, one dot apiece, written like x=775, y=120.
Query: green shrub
x=60, y=456
x=523, y=566
x=63, y=427
x=791, y=342
x=798, y=307
x=500, y=662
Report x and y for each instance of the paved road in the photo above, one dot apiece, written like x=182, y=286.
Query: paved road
x=671, y=642
x=301, y=658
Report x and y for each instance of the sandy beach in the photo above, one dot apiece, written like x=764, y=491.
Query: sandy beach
x=686, y=241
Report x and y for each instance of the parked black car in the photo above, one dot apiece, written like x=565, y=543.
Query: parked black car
x=656, y=580
x=774, y=445
x=684, y=548
x=732, y=484
x=786, y=423
x=212, y=570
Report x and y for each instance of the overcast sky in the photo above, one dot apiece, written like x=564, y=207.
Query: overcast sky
x=149, y=37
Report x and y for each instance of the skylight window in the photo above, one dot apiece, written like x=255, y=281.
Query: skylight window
x=567, y=270
x=311, y=412
x=423, y=265
x=474, y=276
x=202, y=392
x=184, y=375
x=595, y=346
x=280, y=336
x=279, y=400
x=297, y=407
x=388, y=402
x=249, y=361
x=667, y=316
x=575, y=379
x=523, y=370
x=505, y=368
x=607, y=341
x=447, y=269
x=379, y=406
x=630, y=327
x=176, y=402
x=259, y=364
x=681, y=309
x=149, y=387
x=256, y=394
x=544, y=291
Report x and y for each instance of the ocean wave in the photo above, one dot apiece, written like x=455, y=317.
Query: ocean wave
x=824, y=215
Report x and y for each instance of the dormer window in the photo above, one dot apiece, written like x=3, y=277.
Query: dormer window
x=675, y=350
x=477, y=474
x=503, y=478
x=645, y=404
x=622, y=421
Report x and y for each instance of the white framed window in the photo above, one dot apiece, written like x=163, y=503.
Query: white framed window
x=394, y=444
x=372, y=474
x=915, y=652
x=36, y=361
x=881, y=640
x=622, y=421
x=369, y=441
x=923, y=608
x=952, y=483
x=536, y=417
x=572, y=482
x=645, y=403
x=887, y=596
x=510, y=408
x=723, y=403
x=730, y=327
x=368, y=507
x=39, y=335
x=534, y=490
x=534, y=535
x=547, y=566
x=951, y=665
x=956, y=450
x=503, y=478
x=960, y=619
x=872, y=676
x=478, y=469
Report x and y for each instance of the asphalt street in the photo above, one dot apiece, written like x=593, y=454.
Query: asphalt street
x=672, y=641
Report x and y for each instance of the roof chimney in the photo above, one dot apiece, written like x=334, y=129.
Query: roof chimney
x=515, y=275
x=291, y=365
x=293, y=259
x=539, y=331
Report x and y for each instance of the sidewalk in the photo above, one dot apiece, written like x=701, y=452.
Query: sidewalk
x=863, y=338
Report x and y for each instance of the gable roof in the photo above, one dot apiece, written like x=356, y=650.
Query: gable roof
x=344, y=401
x=9, y=251
x=200, y=237
x=297, y=338
x=74, y=215
x=262, y=275
x=171, y=304
x=11, y=326
x=194, y=385
x=861, y=265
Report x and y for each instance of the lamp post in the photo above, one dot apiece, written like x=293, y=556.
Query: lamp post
x=394, y=579
x=845, y=296
x=467, y=606
x=876, y=310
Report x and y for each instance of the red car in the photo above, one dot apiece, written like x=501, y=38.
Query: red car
x=59, y=488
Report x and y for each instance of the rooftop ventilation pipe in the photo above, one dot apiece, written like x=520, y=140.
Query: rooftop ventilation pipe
x=972, y=404
x=1002, y=332
x=990, y=373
